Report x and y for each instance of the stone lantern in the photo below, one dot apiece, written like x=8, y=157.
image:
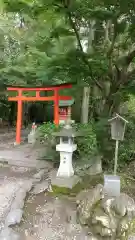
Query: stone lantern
x=32, y=134
x=66, y=147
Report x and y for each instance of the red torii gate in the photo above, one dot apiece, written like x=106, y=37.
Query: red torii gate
x=20, y=98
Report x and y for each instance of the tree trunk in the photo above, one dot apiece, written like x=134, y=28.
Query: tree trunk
x=85, y=105
x=111, y=106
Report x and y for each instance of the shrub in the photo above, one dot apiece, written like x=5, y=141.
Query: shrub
x=44, y=136
x=126, y=147
x=45, y=131
x=96, y=139
x=86, y=145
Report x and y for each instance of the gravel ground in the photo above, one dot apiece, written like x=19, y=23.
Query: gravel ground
x=45, y=217
x=49, y=218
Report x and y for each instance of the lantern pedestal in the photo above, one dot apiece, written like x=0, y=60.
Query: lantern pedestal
x=112, y=185
x=63, y=184
x=66, y=152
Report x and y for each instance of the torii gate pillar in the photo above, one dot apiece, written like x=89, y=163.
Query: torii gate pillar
x=20, y=98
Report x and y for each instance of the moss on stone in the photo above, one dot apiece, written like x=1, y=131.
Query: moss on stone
x=60, y=190
x=67, y=191
x=86, y=183
x=89, y=181
x=130, y=231
x=132, y=227
x=77, y=188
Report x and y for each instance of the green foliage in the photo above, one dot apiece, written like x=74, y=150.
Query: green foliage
x=46, y=130
x=131, y=106
x=44, y=136
x=86, y=145
x=126, y=148
x=105, y=145
x=49, y=49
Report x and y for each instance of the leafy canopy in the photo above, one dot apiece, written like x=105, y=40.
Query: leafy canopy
x=86, y=41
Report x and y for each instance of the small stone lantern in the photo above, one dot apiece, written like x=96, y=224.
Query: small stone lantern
x=66, y=147
x=32, y=134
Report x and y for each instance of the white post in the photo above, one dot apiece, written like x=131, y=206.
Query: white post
x=65, y=168
x=116, y=157
x=66, y=151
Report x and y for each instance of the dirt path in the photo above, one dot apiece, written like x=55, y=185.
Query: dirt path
x=46, y=217
x=7, y=137
x=49, y=218
x=25, y=155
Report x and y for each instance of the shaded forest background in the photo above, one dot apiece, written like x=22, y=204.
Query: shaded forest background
x=90, y=43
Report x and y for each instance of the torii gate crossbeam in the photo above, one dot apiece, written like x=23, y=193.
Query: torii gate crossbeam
x=20, y=98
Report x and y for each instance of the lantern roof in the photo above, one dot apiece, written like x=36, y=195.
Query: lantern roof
x=66, y=103
x=117, y=117
x=40, y=86
x=67, y=131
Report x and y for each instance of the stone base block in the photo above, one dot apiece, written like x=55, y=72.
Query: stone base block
x=64, y=183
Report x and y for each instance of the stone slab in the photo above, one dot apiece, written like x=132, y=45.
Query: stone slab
x=40, y=187
x=31, y=164
x=9, y=234
x=67, y=182
x=12, y=196
x=24, y=157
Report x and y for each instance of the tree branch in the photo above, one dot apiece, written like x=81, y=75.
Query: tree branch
x=122, y=74
x=110, y=51
x=72, y=23
x=128, y=59
x=130, y=74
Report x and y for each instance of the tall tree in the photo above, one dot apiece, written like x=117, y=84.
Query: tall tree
x=91, y=42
